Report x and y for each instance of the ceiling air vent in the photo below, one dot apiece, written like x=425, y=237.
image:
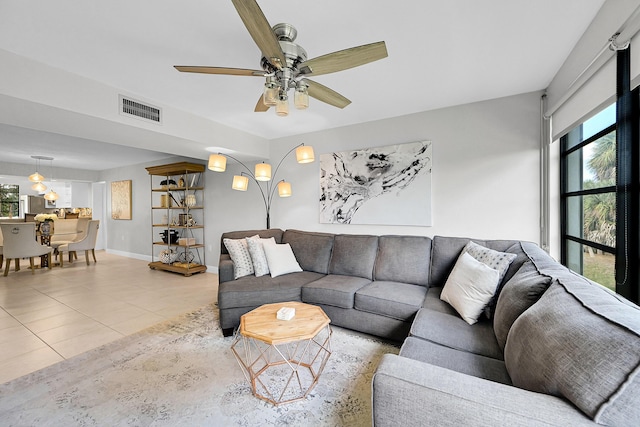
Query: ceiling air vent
x=130, y=107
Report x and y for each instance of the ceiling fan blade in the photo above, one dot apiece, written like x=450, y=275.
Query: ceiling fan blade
x=220, y=70
x=344, y=59
x=261, y=31
x=324, y=94
x=261, y=107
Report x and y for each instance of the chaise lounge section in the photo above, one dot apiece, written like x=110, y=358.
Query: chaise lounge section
x=551, y=348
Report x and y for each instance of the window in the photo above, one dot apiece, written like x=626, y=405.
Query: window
x=9, y=200
x=588, y=156
x=600, y=191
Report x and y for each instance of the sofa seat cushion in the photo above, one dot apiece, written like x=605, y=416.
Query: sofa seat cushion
x=335, y=290
x=392, y=299
x=254, y=291
x=312, y=250
x=456, y=360
x=403, y=259
x=452, y=331
x=581, y=342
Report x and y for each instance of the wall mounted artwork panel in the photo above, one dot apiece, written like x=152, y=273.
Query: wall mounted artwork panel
x=388, y=185
x=121, y=199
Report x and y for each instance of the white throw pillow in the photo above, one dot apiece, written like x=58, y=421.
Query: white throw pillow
x=281, y=259
x=258, y=257
x=242, y=265
x=469, y=287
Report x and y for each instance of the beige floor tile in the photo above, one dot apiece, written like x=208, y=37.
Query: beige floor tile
x=8, y=322
x=27, y=363
x=59, y=313
x=37, y=314
x=81, y=343
x=20, y=345
x=120, y=315
x=70, y=330
x=55, y=321
x=137, y=324
x=14, y=333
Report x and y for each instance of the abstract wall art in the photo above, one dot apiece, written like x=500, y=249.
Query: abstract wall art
x=388, y=185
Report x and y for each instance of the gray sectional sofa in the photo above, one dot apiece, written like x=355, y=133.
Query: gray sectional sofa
x=555, y=348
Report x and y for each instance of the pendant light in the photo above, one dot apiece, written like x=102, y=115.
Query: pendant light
x=36, y=177
x=51, y=195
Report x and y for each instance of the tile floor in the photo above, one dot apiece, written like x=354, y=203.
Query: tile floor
x=56, y=314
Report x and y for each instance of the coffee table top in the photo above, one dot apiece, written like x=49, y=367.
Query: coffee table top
x=262, y=323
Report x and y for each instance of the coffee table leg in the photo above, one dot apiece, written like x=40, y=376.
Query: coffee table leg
x=262, y=365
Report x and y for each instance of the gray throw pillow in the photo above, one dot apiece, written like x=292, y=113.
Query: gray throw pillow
x=258, y=257
x=517, y=295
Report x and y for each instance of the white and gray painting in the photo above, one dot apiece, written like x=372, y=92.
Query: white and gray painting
x=385, y=185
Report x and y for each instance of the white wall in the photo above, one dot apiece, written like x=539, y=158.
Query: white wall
x=485, y=170
x=485, y=179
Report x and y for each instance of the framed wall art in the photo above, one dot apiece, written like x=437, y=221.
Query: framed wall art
x=121, y=199
x=388, y=185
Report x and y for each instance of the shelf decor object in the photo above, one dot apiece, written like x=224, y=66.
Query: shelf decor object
x=262, y=173
x=177, y=215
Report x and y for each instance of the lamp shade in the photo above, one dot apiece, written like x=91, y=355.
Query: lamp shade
x=304, y=154
x=217, y=162
x=36, y=177
x=270, y=96
x=263, y=172
x=240, y=183
x=284, y=189
x=51, y=195
x=282, y=107
x=301, y=99
x=39, y=187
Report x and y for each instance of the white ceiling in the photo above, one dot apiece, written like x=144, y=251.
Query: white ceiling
x=441, y=53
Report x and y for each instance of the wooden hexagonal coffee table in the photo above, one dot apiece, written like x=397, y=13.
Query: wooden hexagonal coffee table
x=283, y=359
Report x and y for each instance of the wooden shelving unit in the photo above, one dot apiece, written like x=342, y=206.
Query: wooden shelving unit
x=178, y=208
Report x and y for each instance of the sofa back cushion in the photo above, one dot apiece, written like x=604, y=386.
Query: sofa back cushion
x=354, y=255
x=581, y=342
x=446, y=250
x=312, y=250
x=403, y=259
x=517, y=295
x=276, y=233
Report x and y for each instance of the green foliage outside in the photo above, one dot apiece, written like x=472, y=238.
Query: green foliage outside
x=9, y=200
x=600, y=212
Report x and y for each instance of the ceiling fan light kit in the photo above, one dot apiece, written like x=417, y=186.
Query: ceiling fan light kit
x=285, y=65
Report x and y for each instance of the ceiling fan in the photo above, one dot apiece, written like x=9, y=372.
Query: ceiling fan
x=285, y=65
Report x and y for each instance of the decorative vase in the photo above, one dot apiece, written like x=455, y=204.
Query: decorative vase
x=190, y=200
x=167, y=256
x=46, y=227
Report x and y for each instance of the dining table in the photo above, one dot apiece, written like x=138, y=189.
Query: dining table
x=45, y=239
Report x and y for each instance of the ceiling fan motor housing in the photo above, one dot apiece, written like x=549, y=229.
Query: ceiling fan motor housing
x=293, y=53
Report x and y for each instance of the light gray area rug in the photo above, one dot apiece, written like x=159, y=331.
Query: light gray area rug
x=183, y=373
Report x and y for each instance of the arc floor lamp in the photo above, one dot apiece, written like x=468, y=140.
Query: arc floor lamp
x=262, y=174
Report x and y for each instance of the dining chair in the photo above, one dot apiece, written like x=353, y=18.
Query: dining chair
x=19, y=241
x=79, y=233
x=1, y=256
x=87, y=243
